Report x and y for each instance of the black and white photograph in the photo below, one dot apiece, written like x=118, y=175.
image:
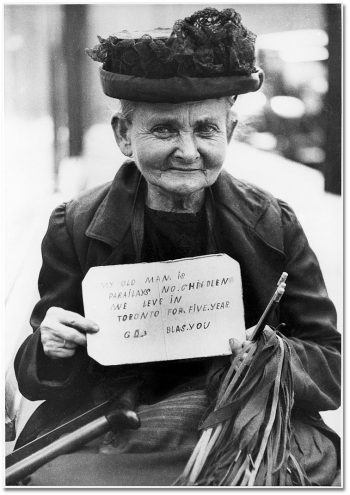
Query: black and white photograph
x=173, y=245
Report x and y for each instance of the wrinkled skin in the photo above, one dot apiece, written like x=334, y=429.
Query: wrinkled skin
x=178, y=148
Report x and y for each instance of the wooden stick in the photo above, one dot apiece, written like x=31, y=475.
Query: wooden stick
x=271, y=306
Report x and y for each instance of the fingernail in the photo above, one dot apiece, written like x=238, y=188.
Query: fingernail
x=95, y=327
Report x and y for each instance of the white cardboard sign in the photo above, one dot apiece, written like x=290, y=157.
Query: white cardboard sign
x=179, y=309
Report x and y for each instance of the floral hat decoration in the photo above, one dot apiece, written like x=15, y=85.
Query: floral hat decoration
x=207, y=55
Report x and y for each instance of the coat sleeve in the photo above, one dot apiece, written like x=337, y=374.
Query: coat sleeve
x=40, y=377
x=310, y=317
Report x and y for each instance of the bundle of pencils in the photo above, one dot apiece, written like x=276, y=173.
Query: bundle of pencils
x=245, y=439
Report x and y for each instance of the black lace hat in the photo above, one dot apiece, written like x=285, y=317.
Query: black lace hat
x=207, y=55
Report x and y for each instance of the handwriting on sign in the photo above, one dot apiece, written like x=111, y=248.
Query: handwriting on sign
x=164, y=310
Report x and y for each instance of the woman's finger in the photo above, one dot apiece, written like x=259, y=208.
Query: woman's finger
x=72, y=319
x=59, y=352
x=247, y=344
x=55, y=337
x=68, y=344
x=60, y=333
x=235, y=345
x=249, y=332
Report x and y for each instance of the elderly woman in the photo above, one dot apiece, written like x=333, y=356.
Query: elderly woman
x=172, y=199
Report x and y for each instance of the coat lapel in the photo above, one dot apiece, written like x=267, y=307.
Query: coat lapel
x=113, y=217
x=249, y=208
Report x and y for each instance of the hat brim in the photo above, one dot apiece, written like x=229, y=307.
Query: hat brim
x=177, y=89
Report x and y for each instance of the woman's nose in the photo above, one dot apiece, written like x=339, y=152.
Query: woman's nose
x=186, y=149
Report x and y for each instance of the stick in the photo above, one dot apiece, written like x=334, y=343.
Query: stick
x=271, y=306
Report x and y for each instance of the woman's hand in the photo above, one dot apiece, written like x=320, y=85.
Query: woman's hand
x=241, y=348
x=63, y=331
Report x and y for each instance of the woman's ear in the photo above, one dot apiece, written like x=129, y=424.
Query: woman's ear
x=121, y=128
x=230, y=125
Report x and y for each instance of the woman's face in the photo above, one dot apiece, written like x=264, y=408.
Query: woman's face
x=180, y=148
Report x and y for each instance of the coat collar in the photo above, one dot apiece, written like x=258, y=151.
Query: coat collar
x=113, y=217
x=244, y=201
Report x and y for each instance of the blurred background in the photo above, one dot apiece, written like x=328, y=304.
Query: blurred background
x=58, y=139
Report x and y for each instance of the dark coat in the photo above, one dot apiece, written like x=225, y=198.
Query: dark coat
x=261, y=232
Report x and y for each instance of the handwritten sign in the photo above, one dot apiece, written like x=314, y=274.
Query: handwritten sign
x=161, y=311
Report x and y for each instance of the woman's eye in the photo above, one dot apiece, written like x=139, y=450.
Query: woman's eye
x=207, y=129
x=163, y=131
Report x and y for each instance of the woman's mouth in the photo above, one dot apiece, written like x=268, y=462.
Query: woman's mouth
x=185, y=169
